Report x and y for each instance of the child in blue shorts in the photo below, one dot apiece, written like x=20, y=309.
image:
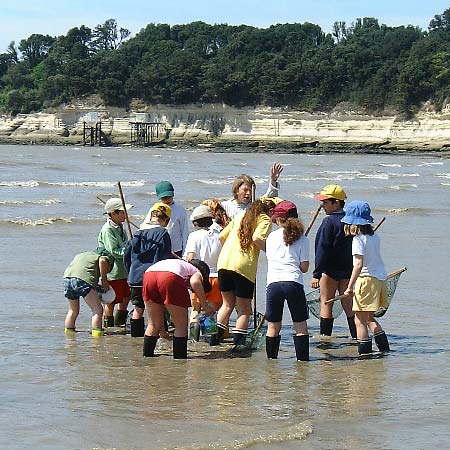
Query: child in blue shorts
x=81, y=279
x=287, y=251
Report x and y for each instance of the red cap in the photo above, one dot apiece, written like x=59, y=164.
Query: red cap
x=285, y=209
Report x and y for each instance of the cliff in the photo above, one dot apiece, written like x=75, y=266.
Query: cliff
x=218, y=125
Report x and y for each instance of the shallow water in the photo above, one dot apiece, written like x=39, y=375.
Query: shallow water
x=63, y=392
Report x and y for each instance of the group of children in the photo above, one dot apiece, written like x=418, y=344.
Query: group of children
x=217, y=263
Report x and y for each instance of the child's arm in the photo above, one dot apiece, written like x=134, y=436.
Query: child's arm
x=357, y=266
x=104, y=266
x=196, y=282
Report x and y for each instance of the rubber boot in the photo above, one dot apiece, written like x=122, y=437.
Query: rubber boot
x=69, y=330
x=352, y=326
x=326, y=326
x=194, y=331
x=301, y=344
x=381, y=341
x=179, y=347
x=108, y=321
x=137, y=327
x=364, y=346
x=272, y=346
x=120, y=318
x=239, y=338
x=217, y=338
x=149, y=346
x=97, y=332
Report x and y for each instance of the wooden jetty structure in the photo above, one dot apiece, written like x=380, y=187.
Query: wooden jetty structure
x=145, y=134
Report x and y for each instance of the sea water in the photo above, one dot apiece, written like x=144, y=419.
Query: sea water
x=76, y=392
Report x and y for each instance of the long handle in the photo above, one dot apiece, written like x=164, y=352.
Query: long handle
x=378, y=225
x=392, y=274
x=314, y=217
x=339, y=297
x=127, y=220
x=256, y=330
x=103, y=201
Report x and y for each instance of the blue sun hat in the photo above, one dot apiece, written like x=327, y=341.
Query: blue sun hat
x=357, y=213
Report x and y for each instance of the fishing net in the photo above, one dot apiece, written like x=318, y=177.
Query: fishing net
x=313, y=297
x=313, y=302
x=256, y=336
x=391, y=282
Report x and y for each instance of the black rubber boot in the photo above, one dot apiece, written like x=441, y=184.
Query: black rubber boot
x=352, y=326
x=194, y=331
x=239, y=338
x=381, y=341
x=272, y=346
x=108, y=321
x=301, y=344
x=149, y=346
x=137, y=327
x=326, y=326
x=179, y=347
x=364, y=346
x=120, y=318
x=217, y=338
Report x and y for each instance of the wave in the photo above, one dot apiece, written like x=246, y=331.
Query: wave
x=389, y=165
x=441, y=175
x=29, y=183
x=403, y=187
x=26, y=222
x=292, y=433
x=51, y=201
x=100, y=184
x=429, y=164
x=405, y=210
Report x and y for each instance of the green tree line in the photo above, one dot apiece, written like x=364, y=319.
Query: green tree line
x=367, y=64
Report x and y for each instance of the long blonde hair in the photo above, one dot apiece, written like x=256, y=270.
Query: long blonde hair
x=250, y=219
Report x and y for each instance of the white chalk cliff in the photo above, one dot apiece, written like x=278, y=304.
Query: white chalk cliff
x=216, y=123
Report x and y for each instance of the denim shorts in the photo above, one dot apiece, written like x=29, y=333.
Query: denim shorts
x=74, y=288
x=293, y=293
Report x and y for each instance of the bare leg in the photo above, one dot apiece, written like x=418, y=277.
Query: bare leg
x=273, y=329
x=301, y=328
x=155, y=314
x=244, y=311
x=228, y=304
x=179, y=315
x=72, y=314
x=138, y=312
x=94, y=302
x=328, y=288
x=361, y=322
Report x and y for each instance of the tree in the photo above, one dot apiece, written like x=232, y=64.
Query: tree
x=107, y=36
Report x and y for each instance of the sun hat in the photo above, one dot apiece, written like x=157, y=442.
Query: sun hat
x=157, y=207
x=357, y=213
x=200, y=212
x=275, y=200
x=115, y=204
x=285, y=209
x=164, y=189
x=331, y=191
x=204, y=270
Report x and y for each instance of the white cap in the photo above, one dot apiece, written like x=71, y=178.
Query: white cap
x=115, y=204
x=201, y=212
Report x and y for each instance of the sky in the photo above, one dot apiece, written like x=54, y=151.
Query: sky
x=21, y=18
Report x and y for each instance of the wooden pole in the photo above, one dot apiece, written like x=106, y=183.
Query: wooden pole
x=378, y=225
x=127, y=220
x=314, y=217
x=103, y=201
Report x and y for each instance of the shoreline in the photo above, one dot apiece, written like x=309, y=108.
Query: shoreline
x=250, y=146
